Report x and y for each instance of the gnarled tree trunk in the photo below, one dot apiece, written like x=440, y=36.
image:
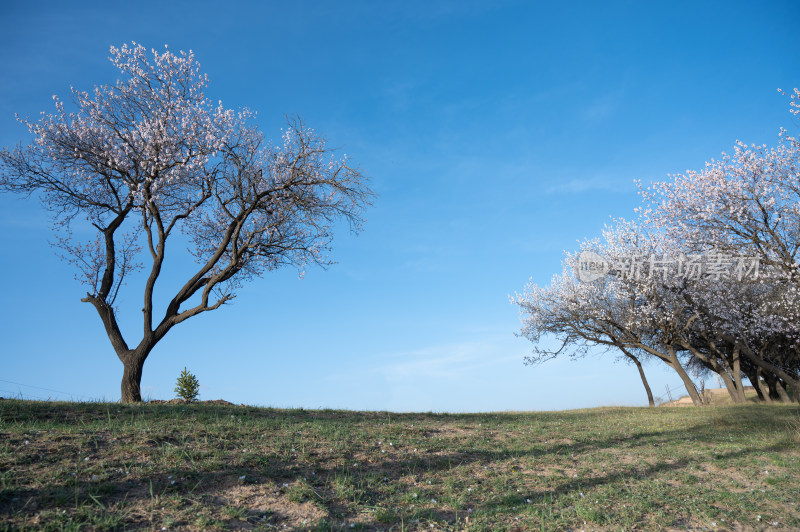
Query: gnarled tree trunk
x=133, y=362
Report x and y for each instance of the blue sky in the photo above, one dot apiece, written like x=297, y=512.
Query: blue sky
x=496, y=134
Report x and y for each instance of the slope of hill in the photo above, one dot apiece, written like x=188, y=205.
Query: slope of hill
x=210, y=466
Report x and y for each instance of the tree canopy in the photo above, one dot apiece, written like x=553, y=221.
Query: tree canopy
x=707, y=278
x=151, y=156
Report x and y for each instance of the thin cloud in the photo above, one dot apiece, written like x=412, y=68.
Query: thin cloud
x=448, y=361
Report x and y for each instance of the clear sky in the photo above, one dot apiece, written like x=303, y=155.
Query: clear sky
x=496, y=134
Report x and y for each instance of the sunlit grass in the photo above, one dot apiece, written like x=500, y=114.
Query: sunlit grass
x=111, y=466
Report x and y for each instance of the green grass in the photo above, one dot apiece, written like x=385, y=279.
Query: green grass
x=95, y=466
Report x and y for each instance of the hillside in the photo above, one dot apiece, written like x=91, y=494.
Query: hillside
x=206, y=466
x=715, y=397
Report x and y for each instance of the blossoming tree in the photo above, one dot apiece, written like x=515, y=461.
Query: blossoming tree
x=578, y=317
x=746, y=203
x=706, y=279
x=623, y=308
x=150, y=157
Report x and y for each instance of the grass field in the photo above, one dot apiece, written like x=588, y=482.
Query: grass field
x=95, y=466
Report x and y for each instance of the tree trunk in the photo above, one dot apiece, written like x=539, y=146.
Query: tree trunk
x=782, y=392
x=730, y=385
x=635, y=360
x=762, y=386
x=133, y=363
x=792, y=381
x=737, y=375
x=650, y=399
x=718, y=363
x=759, y=393
x=687, y=381
x=752, y=376
x=776, y=390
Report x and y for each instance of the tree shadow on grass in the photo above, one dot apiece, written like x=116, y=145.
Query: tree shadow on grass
x=327, y=493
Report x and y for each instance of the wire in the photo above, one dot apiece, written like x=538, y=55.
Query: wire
x=46, y=389
x=18, y=395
